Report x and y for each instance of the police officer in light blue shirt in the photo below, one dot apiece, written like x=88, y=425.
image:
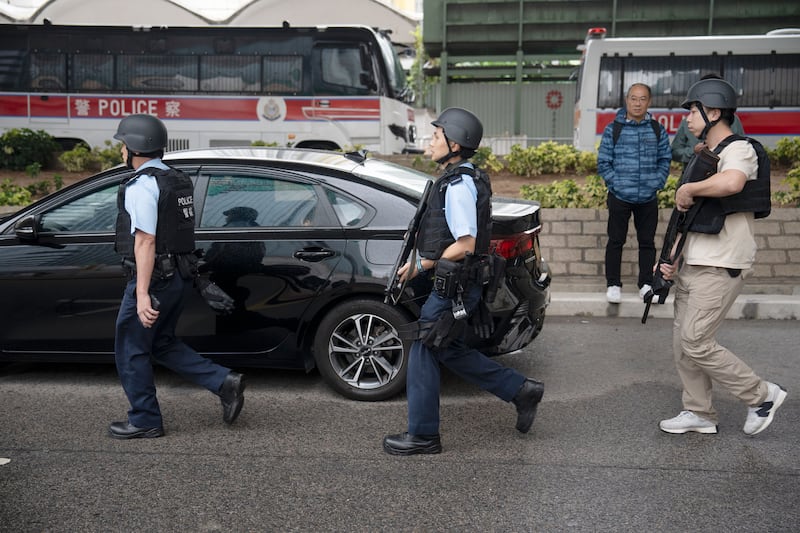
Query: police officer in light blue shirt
x=155, y=235
x=455, y=229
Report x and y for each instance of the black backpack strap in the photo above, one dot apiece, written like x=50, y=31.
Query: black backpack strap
x=616, y=129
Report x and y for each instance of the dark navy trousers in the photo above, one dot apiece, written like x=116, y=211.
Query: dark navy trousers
x=423, y=381
x=135, y=345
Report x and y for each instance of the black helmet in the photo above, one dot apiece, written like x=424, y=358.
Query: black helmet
x=460, y=126
x=712, y=93
x=142, y=134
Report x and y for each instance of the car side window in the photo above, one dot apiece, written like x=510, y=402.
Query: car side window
x=240, y=201
x=94, y=212
x=348, y=211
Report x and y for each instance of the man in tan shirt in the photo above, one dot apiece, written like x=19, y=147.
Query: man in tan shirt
x=710, y=274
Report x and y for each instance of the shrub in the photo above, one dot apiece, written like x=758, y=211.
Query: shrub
x=22, y=147
x=33, y=170
x=786, y=152
x=560, y=193
x=108, y=157
x=792, y=196
x=424, y=164
x=549, y=158
x=485, y=159
x=11, y=194
x=40, y=188
x=567, y=193
x=586, y=163
x=666, y=196
x=78, y=159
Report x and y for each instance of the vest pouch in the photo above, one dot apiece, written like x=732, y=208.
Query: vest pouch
x=165, y=266
x=446, y=278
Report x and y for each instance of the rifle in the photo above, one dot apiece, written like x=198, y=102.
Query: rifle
x=394, y=288
x=701, y=166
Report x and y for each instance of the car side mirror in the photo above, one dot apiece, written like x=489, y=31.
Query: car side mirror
x=27, y=229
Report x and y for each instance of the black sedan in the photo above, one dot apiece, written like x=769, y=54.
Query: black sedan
x=304, y=242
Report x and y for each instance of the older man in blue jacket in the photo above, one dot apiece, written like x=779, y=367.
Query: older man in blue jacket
x=633, y=160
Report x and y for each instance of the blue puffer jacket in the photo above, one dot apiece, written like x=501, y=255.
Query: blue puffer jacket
x=638, y=166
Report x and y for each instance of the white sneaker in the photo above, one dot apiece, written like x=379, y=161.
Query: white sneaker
x=644, y=290
x=687, y=421
x=614, y=294
x=759, y=418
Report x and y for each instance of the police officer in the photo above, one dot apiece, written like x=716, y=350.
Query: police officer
x=454, y=231
x=155, y=232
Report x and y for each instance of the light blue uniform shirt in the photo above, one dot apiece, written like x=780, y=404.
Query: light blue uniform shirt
x=461, y=209
x=141, y=199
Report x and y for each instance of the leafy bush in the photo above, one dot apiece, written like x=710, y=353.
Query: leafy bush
x=666, y=196
x=485, y=159
x=786, y=152
x=22, y=147
x=110, y=156
x=567, y=193
x=40, y=188
x=549, y=158
x=424, y=164
x=586, y=163
x=560, y=193
x=78, y=159
x=11, y=194
x=34, y=169
x=792, y=196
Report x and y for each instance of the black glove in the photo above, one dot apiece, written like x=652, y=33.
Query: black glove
x=215, y=297
x=481, y=321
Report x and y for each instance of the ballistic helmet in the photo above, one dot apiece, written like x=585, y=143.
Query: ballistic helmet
x=460, y=126
x=712, y=93
x=142, y=134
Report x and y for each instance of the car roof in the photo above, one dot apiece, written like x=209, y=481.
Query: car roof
x=380, y=172
x=319, y=158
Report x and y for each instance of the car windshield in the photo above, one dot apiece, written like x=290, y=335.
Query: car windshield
x=399, y=178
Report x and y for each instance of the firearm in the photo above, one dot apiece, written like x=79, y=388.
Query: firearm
x=394, y=288
x=700, y=166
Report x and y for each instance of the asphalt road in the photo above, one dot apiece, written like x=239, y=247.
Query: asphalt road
x=301, y=458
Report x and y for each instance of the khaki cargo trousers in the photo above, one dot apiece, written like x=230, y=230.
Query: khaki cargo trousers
x=703, y=296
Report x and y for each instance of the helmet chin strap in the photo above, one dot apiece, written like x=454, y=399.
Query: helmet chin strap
x=129, y=160
x=450, y=153
x=709, y=123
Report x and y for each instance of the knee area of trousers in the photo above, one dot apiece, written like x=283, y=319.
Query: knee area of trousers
x=696, y=349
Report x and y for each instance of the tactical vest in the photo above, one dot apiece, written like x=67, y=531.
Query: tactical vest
x=753, y=198
x=434, y=234
x=175, y=226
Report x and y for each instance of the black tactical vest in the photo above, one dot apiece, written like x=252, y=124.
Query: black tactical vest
x=175, y=226
x=434, y=234
x=754, y=197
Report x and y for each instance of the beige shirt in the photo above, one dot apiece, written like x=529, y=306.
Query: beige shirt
x=735, y=245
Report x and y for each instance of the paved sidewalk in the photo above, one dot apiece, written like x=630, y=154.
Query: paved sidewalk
x=777, y=299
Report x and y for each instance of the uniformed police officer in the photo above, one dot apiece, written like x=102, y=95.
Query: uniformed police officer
x=455, y=229
x=155, y=228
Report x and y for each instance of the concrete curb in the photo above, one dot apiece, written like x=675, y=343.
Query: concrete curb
x=747, y=306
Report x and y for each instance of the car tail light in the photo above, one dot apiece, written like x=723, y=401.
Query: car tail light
x=513, y=246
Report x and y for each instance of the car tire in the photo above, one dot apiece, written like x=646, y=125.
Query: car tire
x=359, y=352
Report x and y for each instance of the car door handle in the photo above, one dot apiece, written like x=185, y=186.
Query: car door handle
x=313, y=255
